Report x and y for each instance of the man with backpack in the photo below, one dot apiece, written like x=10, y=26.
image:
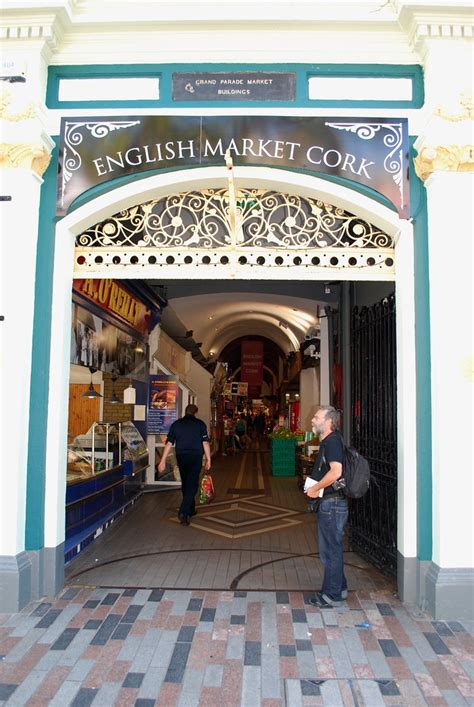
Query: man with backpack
x=332, y=510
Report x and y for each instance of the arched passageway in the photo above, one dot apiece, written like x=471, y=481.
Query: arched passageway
x=106, y=259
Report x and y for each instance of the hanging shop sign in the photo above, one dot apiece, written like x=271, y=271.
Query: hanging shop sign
x=117, y=300
x=251, y=362
x=236, y=389
x=234, y=86
x=368, y=151
x=163, y=394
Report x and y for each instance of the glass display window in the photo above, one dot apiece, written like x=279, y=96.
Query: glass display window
x=103, y=447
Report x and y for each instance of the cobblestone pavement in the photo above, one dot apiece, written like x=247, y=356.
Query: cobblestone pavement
x=152, y=647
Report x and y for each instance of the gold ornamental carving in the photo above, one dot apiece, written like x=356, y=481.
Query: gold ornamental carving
x=25, y=110
x=20, y=155
x=466, y=111
x=454, y=157
x=451, y=158
x=25, y=156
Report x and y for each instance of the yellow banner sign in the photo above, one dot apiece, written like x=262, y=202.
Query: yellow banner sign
x=116, y=299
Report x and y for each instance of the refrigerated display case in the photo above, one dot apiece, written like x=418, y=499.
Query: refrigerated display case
x=105, y=468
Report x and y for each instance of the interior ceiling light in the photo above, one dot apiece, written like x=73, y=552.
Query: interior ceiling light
x=90, y=392
x=113, y=398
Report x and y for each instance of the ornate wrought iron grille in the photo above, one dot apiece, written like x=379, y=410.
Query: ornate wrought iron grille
x=373, y=519
x=260, y=228
x=200, y=219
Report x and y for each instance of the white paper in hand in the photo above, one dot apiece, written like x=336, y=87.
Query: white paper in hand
x=310, y=482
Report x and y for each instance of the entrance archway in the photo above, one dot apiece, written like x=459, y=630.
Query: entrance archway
x=158, y=187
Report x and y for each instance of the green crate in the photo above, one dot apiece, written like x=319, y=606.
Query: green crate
x=283, y=448
x=285, y=470
x=283, y=457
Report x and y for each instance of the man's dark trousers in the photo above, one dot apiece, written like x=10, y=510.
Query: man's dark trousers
x=332, y=517
x=189, y=464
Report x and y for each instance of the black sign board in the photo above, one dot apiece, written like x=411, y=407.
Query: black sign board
x=234, y=86
x=369, y=151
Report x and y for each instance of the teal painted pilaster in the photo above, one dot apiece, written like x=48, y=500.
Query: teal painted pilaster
x=35, y=485
x=423, y=369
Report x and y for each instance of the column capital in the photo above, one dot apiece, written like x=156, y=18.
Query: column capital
x=446, y=145
x=28, y=156
x=25, y=143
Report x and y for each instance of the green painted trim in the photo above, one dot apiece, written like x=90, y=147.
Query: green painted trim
x=414, y=72
x=423, y=368
x=116, y=71
x=112, y=184
x=303, y=72
x=36, y=469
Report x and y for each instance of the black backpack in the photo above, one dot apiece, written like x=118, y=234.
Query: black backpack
x=355, y=479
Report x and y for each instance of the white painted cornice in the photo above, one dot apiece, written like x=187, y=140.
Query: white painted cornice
x=37, y=29
x=425, y=21
x=235, y=44
x=106, y=31
x=230, y=11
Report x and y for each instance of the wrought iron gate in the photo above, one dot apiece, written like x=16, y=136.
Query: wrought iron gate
x=373, y=519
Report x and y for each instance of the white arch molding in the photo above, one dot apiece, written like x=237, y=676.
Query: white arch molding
x=159, y=186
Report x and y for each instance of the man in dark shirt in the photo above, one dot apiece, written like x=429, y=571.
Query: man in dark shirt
x=332, y=511
x=189, y=434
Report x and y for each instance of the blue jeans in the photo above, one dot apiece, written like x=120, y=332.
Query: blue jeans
x=332, y=517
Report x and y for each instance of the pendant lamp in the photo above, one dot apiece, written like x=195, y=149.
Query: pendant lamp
x=90, y=392
x=113, y=398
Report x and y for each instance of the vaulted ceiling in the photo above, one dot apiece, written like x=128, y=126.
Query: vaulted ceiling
x=213, y=316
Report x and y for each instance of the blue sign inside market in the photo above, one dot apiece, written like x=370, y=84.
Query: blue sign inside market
x=163, y=399
x=369, y=151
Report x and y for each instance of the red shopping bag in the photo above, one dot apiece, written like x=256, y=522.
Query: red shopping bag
x=206, y=491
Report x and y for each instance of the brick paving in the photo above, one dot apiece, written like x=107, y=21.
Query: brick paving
x=218, y=613
x=143, y=647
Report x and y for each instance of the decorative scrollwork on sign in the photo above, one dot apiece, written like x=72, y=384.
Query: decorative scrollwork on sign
x=393, y=162
x=73, y=137
x=265, y=219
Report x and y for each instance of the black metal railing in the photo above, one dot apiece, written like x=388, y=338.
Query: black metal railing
x=373, y=519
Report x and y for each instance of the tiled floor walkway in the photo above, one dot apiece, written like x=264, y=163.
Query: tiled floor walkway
x=154, y=647
x=218, y=614
x=256, y=535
